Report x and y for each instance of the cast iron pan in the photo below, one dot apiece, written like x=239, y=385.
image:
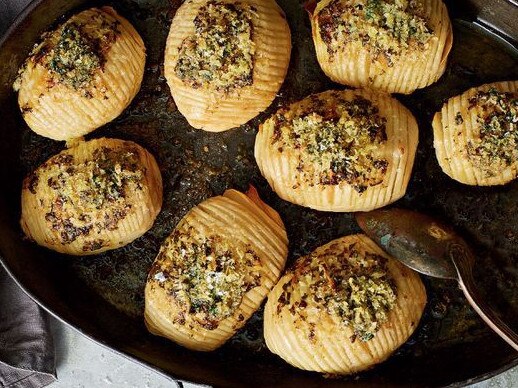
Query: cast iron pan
x=102, y=296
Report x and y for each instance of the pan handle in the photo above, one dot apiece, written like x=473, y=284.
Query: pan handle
x=463, y=260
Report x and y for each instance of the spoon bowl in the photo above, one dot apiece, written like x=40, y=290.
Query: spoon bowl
x=434, y=249
x=418, y=241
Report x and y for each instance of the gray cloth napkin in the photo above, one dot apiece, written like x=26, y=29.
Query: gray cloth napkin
x=26, y=347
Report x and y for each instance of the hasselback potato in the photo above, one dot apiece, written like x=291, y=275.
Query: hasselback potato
x=476, y=135
x=348, y=150
x=81, y=75
x=396, y=46
x=225, y=61
x=343, y=308
x=94, y=196
x=214, y=270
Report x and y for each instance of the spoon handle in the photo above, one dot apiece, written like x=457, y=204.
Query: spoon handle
x=467, y=284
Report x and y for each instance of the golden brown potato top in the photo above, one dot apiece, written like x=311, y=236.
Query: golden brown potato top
x=495, y=143
x=88, y=195
x=206, y=274
x=336, y=139
x=386, y=28
x=347, y=283
x=75, y=51
x=220, y=54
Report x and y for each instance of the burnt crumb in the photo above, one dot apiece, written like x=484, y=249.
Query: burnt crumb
x=312, y=335
x=93, y=245
x=63, y=159
x=111, y=221
x=458, y=118
x=31, y=182
x=53, y=183
x=180, y=319
x=381, y=165
x=210, y=325
x=68, y=231
x=26, y=109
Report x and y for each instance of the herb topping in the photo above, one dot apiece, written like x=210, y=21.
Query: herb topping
x=387, y=28
x=336, y=140
x=352, y=286
x=208, y=275
x=75, y=51
x=220, y=55
x=91, y=196
x=496, y=144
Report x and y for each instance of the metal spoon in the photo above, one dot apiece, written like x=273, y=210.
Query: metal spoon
x=434, y=249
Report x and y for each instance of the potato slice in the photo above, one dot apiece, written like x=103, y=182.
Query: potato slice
x=343, y=308
x=476, y=135
x=395, y=46
x=95, y=196
x=349, y=150
x=82, y=75
x=225, y=61
x=214, y=270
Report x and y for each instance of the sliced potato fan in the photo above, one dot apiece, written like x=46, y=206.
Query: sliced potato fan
x=396, y=46
x=214, y=270
x=95, y=196
x=349, y=150
x=476, y=135
x=82, y=75
x=225, y=60
x=343, y=308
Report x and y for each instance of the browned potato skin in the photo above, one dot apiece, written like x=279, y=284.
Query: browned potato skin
x=57, y=111
x=353, y=65
x=331, y=347
x=140, y=205
x=239, y=220
x=216, y=111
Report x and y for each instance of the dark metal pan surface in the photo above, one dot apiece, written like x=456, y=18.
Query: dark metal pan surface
x=103, y=296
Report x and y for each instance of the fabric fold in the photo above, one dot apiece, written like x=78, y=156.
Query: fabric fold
x=26, y=345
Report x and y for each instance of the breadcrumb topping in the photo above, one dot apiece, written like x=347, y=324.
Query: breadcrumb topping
x=220, y=56
x=207, y=275
x=88, y=197
x=349, y=284
x=336, y=140
x=388, y=29
x=495, y=145
x=74, y=52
